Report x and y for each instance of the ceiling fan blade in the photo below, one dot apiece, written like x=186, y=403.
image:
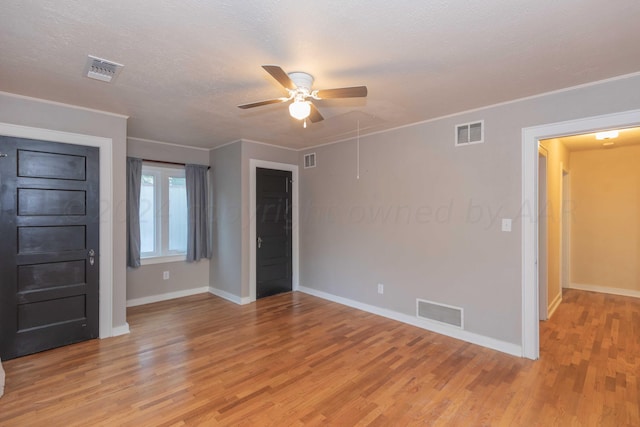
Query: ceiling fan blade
x=315, y=115
x=261, y=103
x=280, y=75
x=344, y=92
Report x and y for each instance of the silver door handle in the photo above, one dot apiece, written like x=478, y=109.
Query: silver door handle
x=92, y=254
x=259, y=242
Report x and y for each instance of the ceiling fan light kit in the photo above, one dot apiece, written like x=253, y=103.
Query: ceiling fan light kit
x=300, y=109
x=298, y=85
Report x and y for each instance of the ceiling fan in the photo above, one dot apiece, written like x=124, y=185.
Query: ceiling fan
x=298, y=85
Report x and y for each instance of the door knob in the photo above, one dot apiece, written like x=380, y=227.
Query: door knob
x=259, y=242
x=92, y=254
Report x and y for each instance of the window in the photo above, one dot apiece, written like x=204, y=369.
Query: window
x=163, y=213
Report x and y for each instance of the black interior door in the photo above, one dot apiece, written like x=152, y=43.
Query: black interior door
x=273, y=232
x=49, y=228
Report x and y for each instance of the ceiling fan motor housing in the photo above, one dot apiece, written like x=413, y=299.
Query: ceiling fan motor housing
x=302, y=80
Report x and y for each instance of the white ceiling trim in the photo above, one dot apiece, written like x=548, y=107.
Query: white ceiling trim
x=256, y=142
x=475, y=110
x=226, y=144
x=62, y=104
x=351, y=138
x=133, y=138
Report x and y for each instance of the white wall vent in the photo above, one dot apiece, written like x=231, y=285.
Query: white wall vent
x=470, y=133
x=442, y=313
x=102, y=69
x=310, y=160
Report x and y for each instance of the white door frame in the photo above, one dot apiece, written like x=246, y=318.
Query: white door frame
x=543, y=237
x=565, y=230
x=253, y=165
x=530, y=138
x=106, y=206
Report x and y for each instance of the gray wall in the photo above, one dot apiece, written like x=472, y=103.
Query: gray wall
x=230, y=262
x=424, y=217
x=37, y=113
x=146, y=281
x=226, y=261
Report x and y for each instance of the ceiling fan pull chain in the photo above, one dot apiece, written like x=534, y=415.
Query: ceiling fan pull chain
x=358, y=153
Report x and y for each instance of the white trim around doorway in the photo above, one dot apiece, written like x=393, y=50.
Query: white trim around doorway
x=253, y=165
x=530, y=138
x=106, y=208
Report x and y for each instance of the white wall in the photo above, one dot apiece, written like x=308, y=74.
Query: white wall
x=441, y=240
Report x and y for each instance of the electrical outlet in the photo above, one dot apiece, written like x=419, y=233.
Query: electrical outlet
x=380, y=288
x=165, y=275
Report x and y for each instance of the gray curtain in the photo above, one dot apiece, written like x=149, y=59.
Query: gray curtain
x=198, y=229
x=134, y=180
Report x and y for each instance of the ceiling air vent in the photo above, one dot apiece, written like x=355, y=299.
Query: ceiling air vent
x=442, y=313
x=470, y=133
x=102, y=69
x=310, y=160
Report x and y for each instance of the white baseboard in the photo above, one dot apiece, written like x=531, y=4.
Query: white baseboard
x=120, y=330
x=554, y=305
x=229, y=296
x=605, y=290
x=492, y=343
x=167, y=296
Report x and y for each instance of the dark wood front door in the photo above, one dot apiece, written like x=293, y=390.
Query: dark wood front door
x=49, y=229
x=273, y=232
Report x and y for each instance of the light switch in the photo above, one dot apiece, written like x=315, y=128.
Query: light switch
x=506, y=224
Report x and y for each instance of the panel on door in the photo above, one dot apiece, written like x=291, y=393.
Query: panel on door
x=49, y=223
x=273, y=232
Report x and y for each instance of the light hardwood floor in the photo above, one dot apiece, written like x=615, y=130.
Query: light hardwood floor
x=294, y=359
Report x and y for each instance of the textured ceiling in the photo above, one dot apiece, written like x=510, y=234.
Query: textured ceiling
x=189, y=63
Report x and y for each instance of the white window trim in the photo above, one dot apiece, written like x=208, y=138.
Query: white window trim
x=162, y=259
x=162, y=227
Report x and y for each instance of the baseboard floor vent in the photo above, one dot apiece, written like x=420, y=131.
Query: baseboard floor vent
x=310, y=160
x=470, y=133
x=442, y=313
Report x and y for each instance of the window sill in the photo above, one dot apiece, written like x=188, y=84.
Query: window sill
x=162, y=259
